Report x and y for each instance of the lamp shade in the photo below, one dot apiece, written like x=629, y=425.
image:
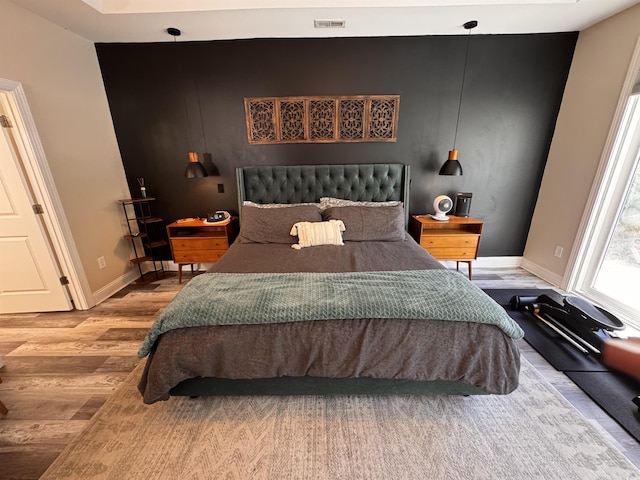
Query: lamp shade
x=195, y=169
x=452, y=165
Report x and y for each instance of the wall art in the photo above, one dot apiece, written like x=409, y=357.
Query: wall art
x=357, y=118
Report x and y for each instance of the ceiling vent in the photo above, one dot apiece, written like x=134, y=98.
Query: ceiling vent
x=329, y=23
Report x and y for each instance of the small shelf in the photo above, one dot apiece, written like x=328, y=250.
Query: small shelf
x=145, y=238
x=137, y=200
x=159, y=243
x=135, y=235
x=150, y=220
x=146, y=258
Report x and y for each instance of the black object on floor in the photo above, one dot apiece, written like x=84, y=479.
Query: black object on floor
x=550, y=345
x=612, y=391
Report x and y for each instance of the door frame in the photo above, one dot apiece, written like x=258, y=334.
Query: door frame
x=36, y=169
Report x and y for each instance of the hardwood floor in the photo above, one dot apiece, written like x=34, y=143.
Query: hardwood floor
x=61, y=367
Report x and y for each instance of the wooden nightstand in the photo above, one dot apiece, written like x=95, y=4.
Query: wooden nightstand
x=198, y=242
x=455, y=239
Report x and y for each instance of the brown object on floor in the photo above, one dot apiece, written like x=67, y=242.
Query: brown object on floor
x=623, y=355
x=3, y=409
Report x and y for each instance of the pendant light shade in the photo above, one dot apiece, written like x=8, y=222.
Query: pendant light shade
x=452, y=165
x=195, y=169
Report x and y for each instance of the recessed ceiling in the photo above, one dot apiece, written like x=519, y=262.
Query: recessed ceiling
x=147, y=20
x=166, y=6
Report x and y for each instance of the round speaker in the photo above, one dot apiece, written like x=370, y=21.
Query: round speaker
x=442, y=205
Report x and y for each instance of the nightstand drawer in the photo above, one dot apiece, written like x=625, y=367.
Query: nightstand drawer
x=442, y=253
x=198, y=244
x=198, y=256
x=464, y=241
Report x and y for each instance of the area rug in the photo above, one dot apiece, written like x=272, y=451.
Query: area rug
x=533, y=433
x=612, y=391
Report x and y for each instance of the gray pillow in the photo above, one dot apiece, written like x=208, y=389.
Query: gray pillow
x=376, y=224
x=328, y=202
x=272, y=225
x=248, y=203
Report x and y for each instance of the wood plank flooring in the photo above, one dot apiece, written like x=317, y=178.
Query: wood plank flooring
x=61, y=367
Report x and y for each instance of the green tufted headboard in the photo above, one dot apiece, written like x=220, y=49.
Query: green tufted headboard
x=374, y=182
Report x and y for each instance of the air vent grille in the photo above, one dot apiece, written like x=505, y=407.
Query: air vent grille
x=329, y=23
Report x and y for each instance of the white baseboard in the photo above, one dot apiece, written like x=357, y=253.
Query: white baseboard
x=131, y=276
x=541, y=272
x=170, y=266
x=490, y=262
x=115, y=286
x=498, y=262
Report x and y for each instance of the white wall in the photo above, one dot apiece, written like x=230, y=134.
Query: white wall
x=601, y=60
x=61, y=77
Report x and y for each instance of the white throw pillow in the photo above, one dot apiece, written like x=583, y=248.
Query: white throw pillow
x=318, y=233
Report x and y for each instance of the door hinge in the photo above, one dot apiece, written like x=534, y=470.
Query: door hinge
x=64, y=280
x=37, y=209
x=4, y=121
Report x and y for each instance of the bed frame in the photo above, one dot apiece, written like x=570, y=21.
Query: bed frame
x=304, y=184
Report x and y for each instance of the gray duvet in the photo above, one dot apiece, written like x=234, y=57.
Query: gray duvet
x=476, y=353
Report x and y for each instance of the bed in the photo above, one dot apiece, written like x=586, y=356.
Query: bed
x=355, y=307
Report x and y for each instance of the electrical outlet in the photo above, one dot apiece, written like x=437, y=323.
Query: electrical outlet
x=558, y=252
x=102, y=263
x=221, y=188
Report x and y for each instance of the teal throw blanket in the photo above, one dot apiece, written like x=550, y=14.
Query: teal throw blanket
x=259, y=298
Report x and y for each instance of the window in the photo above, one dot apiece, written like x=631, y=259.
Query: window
x=607, y=270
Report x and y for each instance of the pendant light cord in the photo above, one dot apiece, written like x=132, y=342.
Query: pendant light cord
x=204, y=135
x=176, y=33
x=469, y=26
x=186, y=110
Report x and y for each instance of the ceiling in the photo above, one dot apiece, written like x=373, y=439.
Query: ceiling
x=147, y=20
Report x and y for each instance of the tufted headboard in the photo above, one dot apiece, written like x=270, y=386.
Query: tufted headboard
x=377, y=182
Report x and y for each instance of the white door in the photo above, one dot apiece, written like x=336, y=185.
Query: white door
x=29, y=275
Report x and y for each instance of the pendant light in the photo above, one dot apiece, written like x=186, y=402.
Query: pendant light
x=452, y=165
x=194, y=169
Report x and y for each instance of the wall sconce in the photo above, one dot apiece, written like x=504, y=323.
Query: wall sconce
x=194, y=169
x=452, y=165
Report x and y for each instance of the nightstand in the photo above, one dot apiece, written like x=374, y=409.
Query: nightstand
x=455, y=239
x=195, y=241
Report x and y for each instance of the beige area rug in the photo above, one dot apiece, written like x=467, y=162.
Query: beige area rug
x=534, y=433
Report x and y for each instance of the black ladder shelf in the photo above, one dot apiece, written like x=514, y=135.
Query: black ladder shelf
x=141, y=223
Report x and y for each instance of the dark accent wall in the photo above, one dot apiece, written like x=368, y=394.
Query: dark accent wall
x=512, y=94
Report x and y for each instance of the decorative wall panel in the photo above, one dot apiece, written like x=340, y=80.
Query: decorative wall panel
x=262, y=124
x=360, y=118
x=322, y=120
